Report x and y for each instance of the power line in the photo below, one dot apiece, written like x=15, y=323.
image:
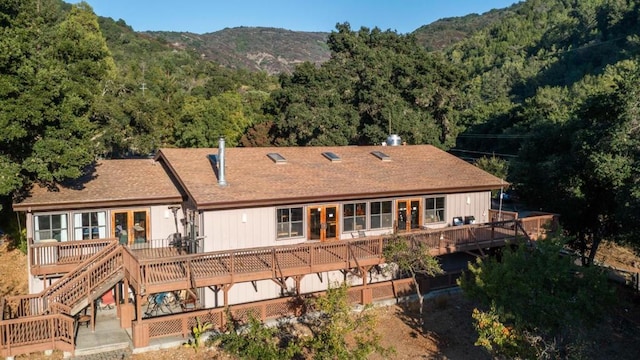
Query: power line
x=494, y=136
x=484, y=153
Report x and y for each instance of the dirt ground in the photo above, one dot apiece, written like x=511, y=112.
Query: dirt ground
x=447, y=334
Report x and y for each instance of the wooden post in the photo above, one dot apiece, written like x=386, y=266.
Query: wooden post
x=126, y=315
x=139, y=309
x=140, y=334
x=93, y=316
x=118, y=297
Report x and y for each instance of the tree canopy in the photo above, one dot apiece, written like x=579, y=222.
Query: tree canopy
x=49, y=69
x=544, y=90
x=540, y=302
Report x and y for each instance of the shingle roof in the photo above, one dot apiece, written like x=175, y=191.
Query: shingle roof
x=130, y=182
x=254, y=179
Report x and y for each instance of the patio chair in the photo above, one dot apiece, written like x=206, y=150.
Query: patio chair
x=188, y=300
x=106, y=301
x=159, y=302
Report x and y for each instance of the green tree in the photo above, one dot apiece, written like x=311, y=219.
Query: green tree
x=586, y=166
x=494, y=165
x=534, y=297
x=49, y=76
x=376, y=83
x=338, y=332
x=412, y=258
x=256, y=341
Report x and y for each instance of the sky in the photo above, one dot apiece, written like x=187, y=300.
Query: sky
x=203, y=16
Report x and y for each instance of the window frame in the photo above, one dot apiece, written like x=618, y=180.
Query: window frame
x=357, y=217
x=63, y=230
x=288, y=228
x=381, y=215
x=435, y=209
x=80, y=226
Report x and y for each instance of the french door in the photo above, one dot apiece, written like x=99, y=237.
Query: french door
x=323, y=222
x=130, y=226
x=408, y=216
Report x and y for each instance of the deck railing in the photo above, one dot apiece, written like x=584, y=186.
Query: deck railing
x=31, y=334
x=71, y=288
x=232, y=266
x=43, y=321
x=58, y=254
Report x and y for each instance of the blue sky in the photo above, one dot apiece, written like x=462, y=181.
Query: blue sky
x=202, y=16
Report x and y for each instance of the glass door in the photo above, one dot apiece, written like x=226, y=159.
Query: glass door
x=130, y=226
x=401, y=215
x=323, y=222
x=415, y=215
x=408, y=216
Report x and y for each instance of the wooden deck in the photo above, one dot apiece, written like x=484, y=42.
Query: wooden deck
x=153, y=268
x=97, y=265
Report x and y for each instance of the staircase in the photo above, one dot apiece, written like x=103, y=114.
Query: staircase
x=75, y=290
x=45, y=320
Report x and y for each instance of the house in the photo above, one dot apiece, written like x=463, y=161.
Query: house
x=236, y=226
x=238, y=198
x=125, y=199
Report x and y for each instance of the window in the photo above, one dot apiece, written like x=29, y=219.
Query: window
x=289, y=222
x=434, y=209
x=354, y=216
x=90, y=225
x=50, y=227
x=381, y=215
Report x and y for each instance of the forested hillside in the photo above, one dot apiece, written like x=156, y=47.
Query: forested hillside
x=548, y=86
x=271, y=50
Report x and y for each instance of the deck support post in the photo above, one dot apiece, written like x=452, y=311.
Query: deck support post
x=139, y=300
x=117, y=298
x=93, y=316
x=225, y=293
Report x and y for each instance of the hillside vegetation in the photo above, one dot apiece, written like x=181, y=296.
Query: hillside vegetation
x=547, y=86
x=271, y=50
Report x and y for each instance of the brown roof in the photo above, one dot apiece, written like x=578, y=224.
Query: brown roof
x=254, y=179
x=113, y=183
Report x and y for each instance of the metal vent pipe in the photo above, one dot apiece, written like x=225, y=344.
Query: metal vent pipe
x=221, y=160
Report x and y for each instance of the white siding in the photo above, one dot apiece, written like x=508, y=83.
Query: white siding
x=243, y=228
x=163, y=223
x=475, y=204
x=246, y=292
x=268, y=289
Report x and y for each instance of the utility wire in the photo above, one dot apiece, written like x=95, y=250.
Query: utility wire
x=484, y=153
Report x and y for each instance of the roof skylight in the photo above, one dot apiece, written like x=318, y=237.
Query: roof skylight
x=277, y=158
x=331, y=156
x=380, y=155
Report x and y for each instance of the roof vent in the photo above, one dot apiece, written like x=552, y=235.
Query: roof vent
x=394, y=140
x=277, y=158
x=331, y=156
x=221, y=163
x=380, y=155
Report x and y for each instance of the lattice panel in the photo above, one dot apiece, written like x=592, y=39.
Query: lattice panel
x=242, y=315
x=166, y=327
x=275, y=310
x=354, y=296
x=404, y=288
x=214, y=319
x=382, y=292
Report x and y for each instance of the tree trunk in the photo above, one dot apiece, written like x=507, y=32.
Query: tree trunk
x=420, y=299
x=595, y=243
